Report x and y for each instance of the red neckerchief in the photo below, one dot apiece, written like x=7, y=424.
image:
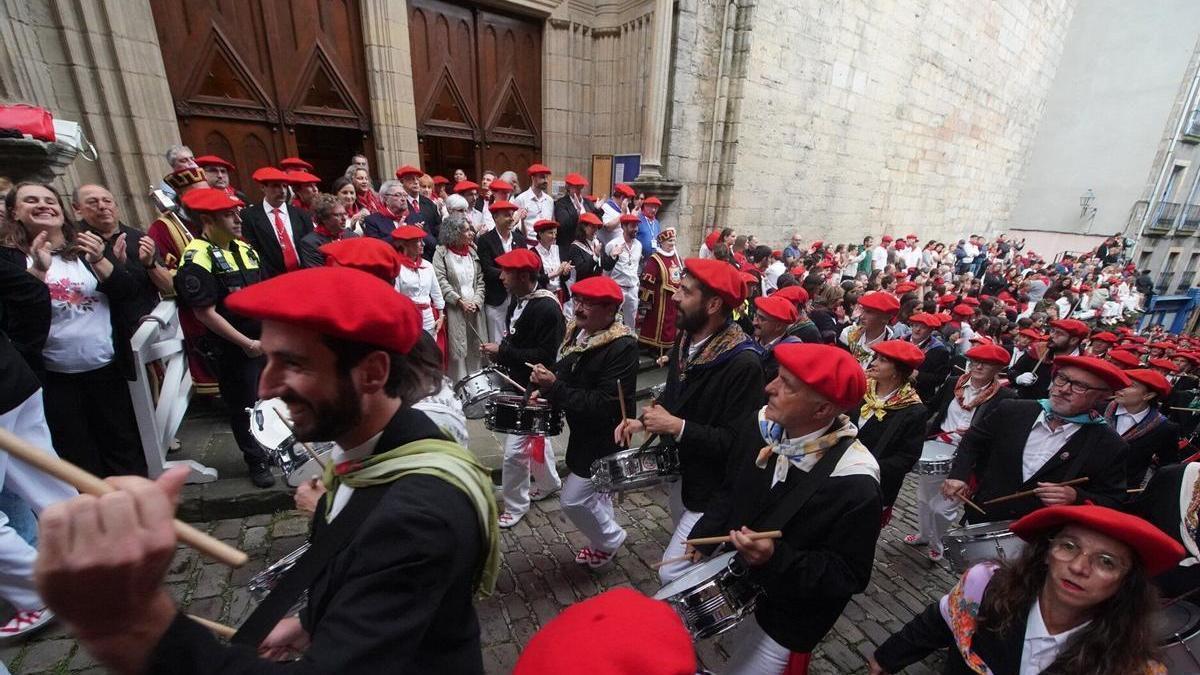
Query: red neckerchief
x=370, y=201
x=320, y=229
x=229, y=191
x=410, y=263
x=988, y=393
x=464, y=250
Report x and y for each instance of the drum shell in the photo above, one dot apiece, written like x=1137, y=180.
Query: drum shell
x=1178, y=630
x=635, y=469
x=936, y=459
x=474, y=391
x=713, y=597
x=973, y=544
x=509, y=414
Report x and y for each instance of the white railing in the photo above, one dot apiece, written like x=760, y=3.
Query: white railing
x=158, y=344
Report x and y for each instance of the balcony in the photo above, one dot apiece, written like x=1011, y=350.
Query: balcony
x=1189, y=222
x=1164, y=282
x=1185, y=281
x=1164, y=217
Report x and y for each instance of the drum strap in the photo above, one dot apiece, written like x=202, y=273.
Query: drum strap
x=334, y=538
x=781, y=513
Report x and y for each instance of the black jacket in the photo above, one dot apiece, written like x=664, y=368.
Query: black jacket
x=896, y=442
x=568, y=221
x=534, y=337
x=428, y=215
x=806, y=331
x=586, y=391
x=1159, y=504
x=397, y=599
x=258, y=229
x=24, y=311
x=1159, y=446
x=310, y=245
x=139, y=298
x=941, y=404
x=933, y=370
x=489, y=247
x=827, y=549
x=994, y=446
x=586, y=265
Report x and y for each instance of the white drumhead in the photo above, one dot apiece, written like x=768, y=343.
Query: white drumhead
x=936, y=450
x=272, y=433
x=695, y=576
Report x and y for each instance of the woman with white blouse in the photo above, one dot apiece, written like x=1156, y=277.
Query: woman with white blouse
x=460, y=280
x=417, y=280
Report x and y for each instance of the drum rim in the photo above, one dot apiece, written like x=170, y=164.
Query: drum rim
x=990, y=534
x=269, y=421
x=723, y=560
x=1189, y=629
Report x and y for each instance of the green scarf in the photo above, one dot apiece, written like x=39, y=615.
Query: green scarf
x=442, y=459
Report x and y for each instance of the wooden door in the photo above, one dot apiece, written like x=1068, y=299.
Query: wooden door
x=258, y=80
x=477, y=78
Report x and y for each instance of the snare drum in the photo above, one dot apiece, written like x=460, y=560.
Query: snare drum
x=973, y=544
x=475, y=389
x=636, y=468
x=1178, y=630
x=509, y=414
x=282, y=449
x=936, y=458
x=713, y=596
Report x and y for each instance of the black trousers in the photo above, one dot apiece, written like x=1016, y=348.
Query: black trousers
x=91, y=421
x=237, y=380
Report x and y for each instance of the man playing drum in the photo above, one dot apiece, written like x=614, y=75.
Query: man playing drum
x=401, y=543
x=1036, y=445
x=960, y=401
x=816, y=483
x=597, y=361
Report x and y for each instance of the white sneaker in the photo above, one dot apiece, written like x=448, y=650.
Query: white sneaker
x=507, y=519
x=537, y=495
x=25, y=623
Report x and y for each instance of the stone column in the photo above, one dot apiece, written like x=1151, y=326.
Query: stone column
x=390, y=83
x=654, y=115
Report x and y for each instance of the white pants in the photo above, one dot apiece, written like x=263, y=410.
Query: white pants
x=497, y=320
x=629, y=306
x=516, y=470
x=592, y=513
x=38, y=489
x=757, y=654
x=935, y=513
x=684, y=522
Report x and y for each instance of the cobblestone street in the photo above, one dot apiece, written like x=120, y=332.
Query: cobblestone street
x=539, y=579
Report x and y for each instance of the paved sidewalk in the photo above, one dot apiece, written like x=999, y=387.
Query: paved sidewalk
x=539, y=579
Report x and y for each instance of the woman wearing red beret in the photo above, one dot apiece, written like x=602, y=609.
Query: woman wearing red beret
x=1077, y=600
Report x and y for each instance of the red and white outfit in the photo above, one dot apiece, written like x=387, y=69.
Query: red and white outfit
x=628, y=255
x=418, y=282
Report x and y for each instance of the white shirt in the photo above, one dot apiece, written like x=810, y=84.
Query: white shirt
x=610, y=215
x=879, y=258
x=550, y=264
x=628, y=255
x=536, y=208
x=1043, y=443
x=771, y=275
x=80, y=337
x=287, y=223
x=343, y=492
x=1126, y=420
x=958, y=419
x=1040, y=647
x=421, y=286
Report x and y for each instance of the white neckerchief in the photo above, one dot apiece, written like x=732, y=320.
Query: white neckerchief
x=343, y=492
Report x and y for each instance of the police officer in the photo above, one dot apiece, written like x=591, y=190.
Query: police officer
x=216, y=264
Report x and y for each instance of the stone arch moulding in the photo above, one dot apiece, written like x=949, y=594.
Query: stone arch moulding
x=509, y=107
x=221, y=85
x=458, y=125
x=320, y=84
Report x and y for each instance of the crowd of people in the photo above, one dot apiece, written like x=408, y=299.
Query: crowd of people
x=805, y=381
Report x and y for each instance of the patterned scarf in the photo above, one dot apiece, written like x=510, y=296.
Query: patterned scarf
x=873, y=406
x=790, y=452
x=723, y=345
x=1149, y=423
x=572, y=346
x=960, y=392
x=857, y=345
x=1189, y=506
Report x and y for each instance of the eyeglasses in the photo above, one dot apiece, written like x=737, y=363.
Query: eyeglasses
x=1075, y=386
x=1065, y=549
x=394, y=194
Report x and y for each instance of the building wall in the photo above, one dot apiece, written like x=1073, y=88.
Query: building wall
x=1106, y=117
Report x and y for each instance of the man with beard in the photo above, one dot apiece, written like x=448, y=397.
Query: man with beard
x=714, y=384
x=534, y=333
x=1031, y=374
x=217, y=171
x=660, y=280
x=567, y=210
x=400, y=544
x=771, y=320
x=535, y=203
x=1038, y=445
x=816, y=483
x=597, y=362
x=878, y=308
x=936, y=366
x=216, y=264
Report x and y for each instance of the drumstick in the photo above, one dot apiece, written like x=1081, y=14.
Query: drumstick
x=621, y=399
x=973, y=505
x=307, y=448
x=1192, y=410
x=510, y=381
x=1134, y=491
x=725, y=539
x=220, y=629
x=89, y=484
x=1027, y=493
x=670, y=561
x=475, y=332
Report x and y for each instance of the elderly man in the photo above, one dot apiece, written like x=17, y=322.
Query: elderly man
x=179, y=158
x=1032, y=372
x=420, y=210
x=568, y=208
x=1038, y=445
x=771, y=320
x=794, y=251
x=878, y=308
x=814, y=481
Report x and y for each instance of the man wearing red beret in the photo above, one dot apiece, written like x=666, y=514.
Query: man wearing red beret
x=772, y=317
x=1031, y=374
x=535, y=203
x=401, y=542
x=660, y=280
x=878, y=308
x=1136, y=414
x=1100, y=343
x=622, y=260
x=1039, y=444
x=272, y=227
x=491, y=245
x=714, y=383
x=618, y=204
x=216, y=264
x=567, y=210
x=803, y=327
x=936, y=367
x=534, y=333
x=648, y=227
x=418, y=209
x=818, y=484
x=597, y=362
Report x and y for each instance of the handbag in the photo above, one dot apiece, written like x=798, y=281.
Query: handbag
x=28, y=120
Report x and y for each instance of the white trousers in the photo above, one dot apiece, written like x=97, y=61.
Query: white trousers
x=684, y=522
x=629, y=306
x=516, y=469
x=757, y=654
x=592, y=513
x=38, y=489
x=935, y=513
x=497, y=320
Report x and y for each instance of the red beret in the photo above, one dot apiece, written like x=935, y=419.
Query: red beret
x=963, y=310
x=1136, y=338
x=520, y=259
x=502, y=205
x=989, y=352
x=441, y=180
x=269, y=174
x=543, y=225
x=209, y=200
x=905, y=287
x=212, y=160
x=1165, y=364
x=624, y=190
x=498, y=184
x=1114, y=377
x=1161, y=345
x=599, y=288
x=1124, y=358
x=747, y=277
x=948, y=299
x=886, y=238
x=795, y=294
x=536, y=169
x=292, y=163
x=590, y=218
x=1152, y=379
x=630, y=218
x=1157, y=551
x=974, y=302
x=912, y=236
x=409, y=170
x=464, y=185
x=926, y=319
x=830, y=371
x=371, y=255
x=380, y=316
x=1031, y=334
x=1190, y=356
x=619, y=632
x=408, y=233
x=302, y=178
x=1105, y=336
x=775, y=307
x=1072, y=327
x=575, y=180
x=712, y=238
x=901, y=351
x=1140, y=349
x=720, y=277
x=652, y=201
x=880, y=301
